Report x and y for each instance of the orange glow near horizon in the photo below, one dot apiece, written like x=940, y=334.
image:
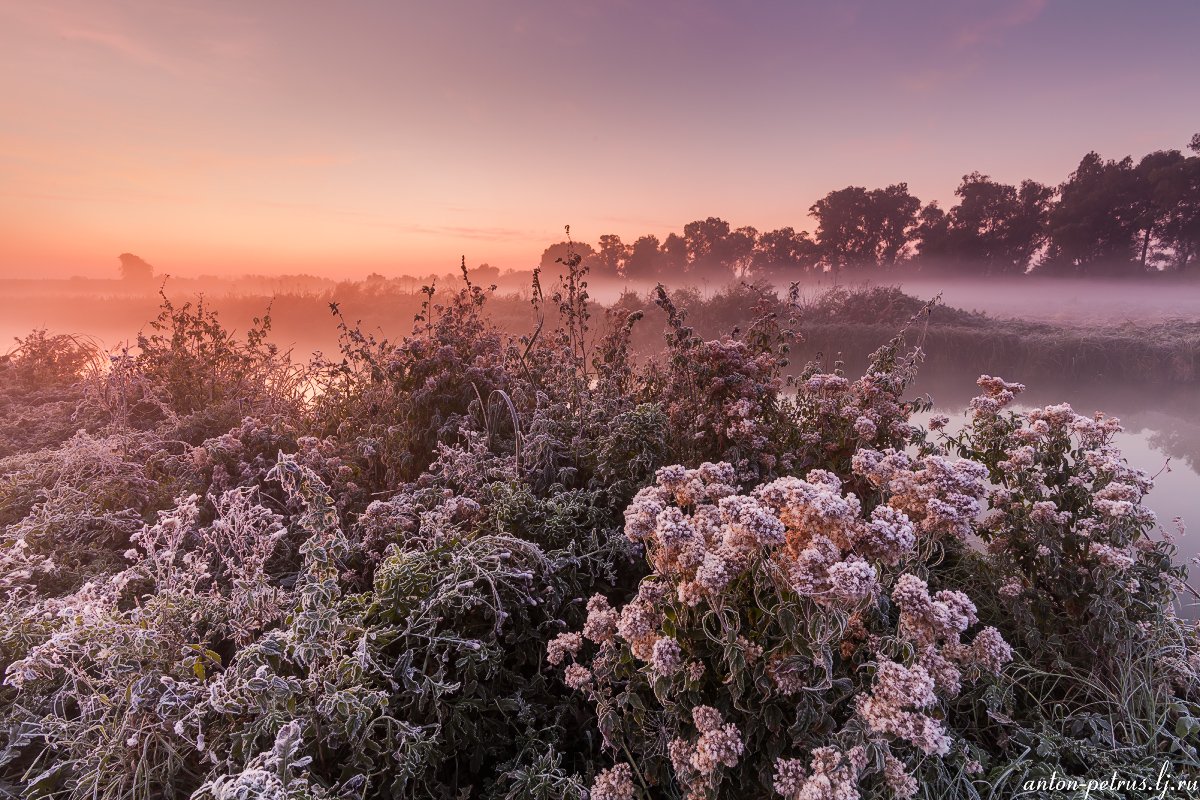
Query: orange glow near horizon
x=282, y=137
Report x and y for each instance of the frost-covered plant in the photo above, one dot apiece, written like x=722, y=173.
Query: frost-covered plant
x=42, y=386
x=399, y=399
x=67, y=513
x=438, y=659
x=193, y=377
x=110, y=687
x=278, y=774
x=1069, y=535
x=417, y=584
x=1084, y=586
x=764, y=634
x=722, y=395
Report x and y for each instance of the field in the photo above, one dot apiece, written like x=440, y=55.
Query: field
x=683, y=544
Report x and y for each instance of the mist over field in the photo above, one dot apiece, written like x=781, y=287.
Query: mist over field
x=592, y=401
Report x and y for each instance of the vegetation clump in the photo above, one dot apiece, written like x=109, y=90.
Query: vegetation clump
x=471, y=564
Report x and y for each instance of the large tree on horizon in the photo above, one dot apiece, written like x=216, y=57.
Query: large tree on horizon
x=645, y=259
x=859, y=228
x=994, y=229
x=559, y=252
x=1095, y=225
x=784, y=254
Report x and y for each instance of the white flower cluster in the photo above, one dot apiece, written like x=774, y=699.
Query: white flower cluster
x=889, y=708
x=833, y=775
x=563, y=645
x=614, y=784
x=940, y=495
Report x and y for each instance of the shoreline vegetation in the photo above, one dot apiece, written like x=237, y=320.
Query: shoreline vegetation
x=839, y=322
x=503, y=555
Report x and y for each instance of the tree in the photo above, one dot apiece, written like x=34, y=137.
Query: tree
x=555, y=253
x=707, y=242
x=895, y=213
x=674, y=255
x=1095, y=226
x=996, y=228
x=611, y=258
x=645, y=260
x=1167, y=203
x=783, y=253
x=485, y=273
x=739, y=250
x=1027, y=228
x=843, y=228
x=134, y=269
x=857, y=228
x=1181, y=228
x=932, y=236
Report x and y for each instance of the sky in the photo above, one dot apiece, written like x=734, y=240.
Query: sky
x=284, y=136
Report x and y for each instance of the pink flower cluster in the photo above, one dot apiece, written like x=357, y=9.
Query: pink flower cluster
x=614, y=784
x=696, y=764
x=700, y=552
x=601, y=625
x=869, y=409
x=720, y=744
x=893, y=707
x=833, y=775
x=940, y=620
x=640, y=619
x=926, y=620
x=940, y=495
x=563, y=645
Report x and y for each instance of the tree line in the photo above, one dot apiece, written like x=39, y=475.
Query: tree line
x=1107, y=218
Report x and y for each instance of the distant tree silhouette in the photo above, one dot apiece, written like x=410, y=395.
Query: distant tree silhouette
x=1094, y=228
x=996, y=228
x=485, y=273
x=706, y=244
x=674, y=256
x=559, y=251
x=1167, y=203
x=932, y=236
x=610, y=259
x=739, y=252
x=134, y=269
x=784, y=254
x=645, y=260
x=717, y=252
x=858, y=229
x=1181, y=227
x=1108, y=217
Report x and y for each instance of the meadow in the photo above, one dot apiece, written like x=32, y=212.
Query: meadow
x=682, y=544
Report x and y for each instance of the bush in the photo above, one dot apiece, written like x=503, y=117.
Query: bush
x=361, y=578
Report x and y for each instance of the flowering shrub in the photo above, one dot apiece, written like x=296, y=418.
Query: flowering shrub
x=467, y=565
x=773, y=625
x=1066, y=527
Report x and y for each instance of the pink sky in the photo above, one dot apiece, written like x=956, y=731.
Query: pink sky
x=341, y=138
